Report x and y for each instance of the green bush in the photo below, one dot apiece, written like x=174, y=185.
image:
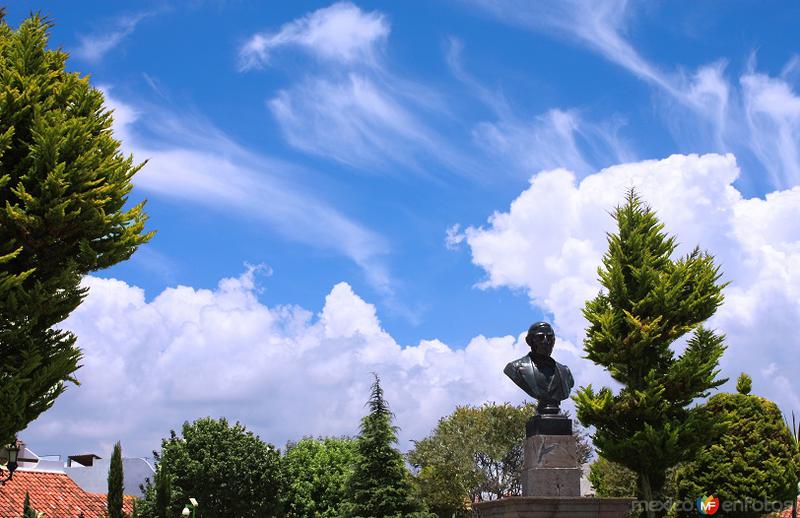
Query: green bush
x=755, y=460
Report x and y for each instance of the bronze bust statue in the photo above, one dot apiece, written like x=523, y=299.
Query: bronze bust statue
x=538, y=374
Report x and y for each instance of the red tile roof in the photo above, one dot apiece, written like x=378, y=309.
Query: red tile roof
x=54, y=494
x=788, y=512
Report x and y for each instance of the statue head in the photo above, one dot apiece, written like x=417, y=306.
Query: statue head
x=541, y=339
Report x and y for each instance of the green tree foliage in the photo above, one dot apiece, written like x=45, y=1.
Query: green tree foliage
x=475, y=453
x=381, y=485
x=157, y=496
x=115, y=483
x=163, y=494
x=794, y=432
x=27, y=510
x=228, y=469
x=744, y=384
x=612, y=480
x=64, y=184
x=648, y=302
x=317, y=473
x=754, y=460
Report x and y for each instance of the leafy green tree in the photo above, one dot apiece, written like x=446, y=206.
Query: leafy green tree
x=475, y=453
x=612, y=480
x=380, y=485
x=649, y=301
x=64, y=184
x=115, y=483
x=317, y=473
x=754, y=460
x=228, y=469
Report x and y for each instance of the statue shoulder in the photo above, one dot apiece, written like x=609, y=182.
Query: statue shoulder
x=519, y=363
x=564, y=370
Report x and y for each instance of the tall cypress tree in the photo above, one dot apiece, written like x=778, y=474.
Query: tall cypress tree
x=27, y=510
x=649, y=301
x=380, y=484
x=64, y=185
x=115, y=483
x=163, y=497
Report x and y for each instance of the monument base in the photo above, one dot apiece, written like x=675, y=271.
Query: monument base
x=546, y=507
x=551, y=467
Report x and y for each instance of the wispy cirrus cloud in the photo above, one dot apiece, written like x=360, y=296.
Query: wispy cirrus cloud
x=94, y=46
x=341, y=33
x=352, y=108
x=598, y=25
x=355, y=120
x=191, y=160
x=556, y=138
x=753, y=115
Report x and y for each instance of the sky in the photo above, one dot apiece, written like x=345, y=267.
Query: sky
x=402, y=188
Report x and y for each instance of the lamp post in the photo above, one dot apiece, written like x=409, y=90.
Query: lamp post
x=11, y=465
x=193, y=505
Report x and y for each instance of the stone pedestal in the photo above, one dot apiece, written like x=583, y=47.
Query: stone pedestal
x=547, y=507
x=551, y=466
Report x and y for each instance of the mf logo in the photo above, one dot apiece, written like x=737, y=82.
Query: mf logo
x=707, y=504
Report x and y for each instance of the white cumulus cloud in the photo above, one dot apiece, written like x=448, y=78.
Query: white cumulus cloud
x=282, y=370
x=287, y=372
x=551, y=239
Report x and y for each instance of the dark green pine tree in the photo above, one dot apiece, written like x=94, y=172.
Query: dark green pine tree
x=163, y=497
x=380, y=485
x=115, y=483
x=64, y=186
x=649, y=301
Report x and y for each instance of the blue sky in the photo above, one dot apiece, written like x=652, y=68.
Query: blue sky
x=403, y=149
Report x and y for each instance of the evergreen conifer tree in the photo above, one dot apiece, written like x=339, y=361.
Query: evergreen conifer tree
x=380, y=485
x=163, y=496
x=115, y=483
x=27, y=510
x=649, y=301
x=64, y=184
x=744, y=384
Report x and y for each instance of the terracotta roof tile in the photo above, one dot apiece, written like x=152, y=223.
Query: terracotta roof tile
x=54, y=494
x=787, y=513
